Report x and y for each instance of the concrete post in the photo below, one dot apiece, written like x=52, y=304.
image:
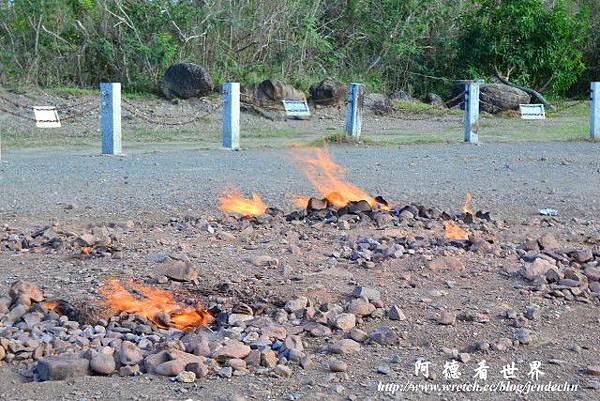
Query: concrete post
x=595, y=111
x=472, y=111
x=110, y=117
x=231, y=115
x=356, y=96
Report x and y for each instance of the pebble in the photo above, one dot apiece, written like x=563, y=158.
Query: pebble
x=336, y=365
x=395, y=313
x=447, y=318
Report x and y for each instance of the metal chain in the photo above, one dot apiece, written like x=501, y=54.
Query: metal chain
x=62, y=109
x=127, y=106
x=66, y=118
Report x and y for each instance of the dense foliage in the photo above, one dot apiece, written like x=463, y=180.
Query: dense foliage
x=390, y=44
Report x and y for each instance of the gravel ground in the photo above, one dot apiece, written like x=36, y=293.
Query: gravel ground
x=511, y=180
x=152, y=184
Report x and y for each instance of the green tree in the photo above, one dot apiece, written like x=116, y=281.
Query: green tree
x=533, y=43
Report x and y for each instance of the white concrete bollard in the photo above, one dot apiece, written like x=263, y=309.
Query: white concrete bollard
x=231, y=115
x=595, y=111
x=471, y=119
x=356, y=96
x=110, y=117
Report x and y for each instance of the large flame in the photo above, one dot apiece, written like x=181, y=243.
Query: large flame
x=327, y=177
x=454, y=232
x=467, y=207
x=232, y=202
x=156, y=305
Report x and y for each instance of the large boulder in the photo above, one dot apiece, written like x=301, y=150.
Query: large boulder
x=272, y=92
x=329, y=92
x=435, y=100
x=186, y=80
x=495, y=98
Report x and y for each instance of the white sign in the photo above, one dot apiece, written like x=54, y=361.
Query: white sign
x=296, y=108
x=532, y=111
x=46, y=117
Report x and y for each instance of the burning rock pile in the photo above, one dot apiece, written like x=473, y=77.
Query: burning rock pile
x=43, y=337
x=97, y=242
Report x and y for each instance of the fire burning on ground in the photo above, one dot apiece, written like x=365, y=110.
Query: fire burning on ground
x=233, y=202
x=467, y=207
x=158, y=306
x=454, y=232
x=328, y=178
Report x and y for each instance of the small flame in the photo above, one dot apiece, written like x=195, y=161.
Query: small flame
x=50, y=305
x=454, y=232
x=233, y=202
x=156, y=305
x=327, y=177
x=302, y=201
x=467, y=207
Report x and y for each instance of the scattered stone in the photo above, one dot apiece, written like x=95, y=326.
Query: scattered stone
x=371, y=294
x=61, y=367
x=103, y=364
x=336, y=365
x=180, y=270
x=199, y=369
x=395, y=313
x=263, y=261
x=358, y=335
x=447, y=318
x=384, y=336
x=547, y=242
x=593, y=370
x=130, y=354
x=232, y=349
x=283, y=371
x=447, y=263
x=297, y=304
x=345, y=321
x=538, y=268
x=384, y=370
x=186, y=377
x=533, y=312
x=345, y=346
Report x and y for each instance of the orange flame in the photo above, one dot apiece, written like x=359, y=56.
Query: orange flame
x=50, y=305
x=156, y=305
x=467, y=207
x=327, y=177
x=234, y=203
x=454, y=232
x=302, y=201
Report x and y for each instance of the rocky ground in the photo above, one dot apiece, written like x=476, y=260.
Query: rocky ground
x=314, y=306
x=323, y=306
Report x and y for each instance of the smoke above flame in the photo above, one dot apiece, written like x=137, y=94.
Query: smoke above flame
x=158, y=306
x=233, y=202
x=328, y=177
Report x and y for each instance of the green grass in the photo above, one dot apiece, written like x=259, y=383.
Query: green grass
x=424, y=108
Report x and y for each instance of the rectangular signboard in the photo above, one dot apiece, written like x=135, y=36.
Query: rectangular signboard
x=46, y=117
x=296, y=108
x=532, y=111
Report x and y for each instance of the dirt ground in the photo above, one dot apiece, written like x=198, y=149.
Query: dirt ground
x=170, y=193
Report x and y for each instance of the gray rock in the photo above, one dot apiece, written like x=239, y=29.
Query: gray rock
x=447, y=318
x=61, y=367
x=336, y=365
x=395, y=313
x=185, y=80
x=103, y=364
x=371, y=294
x=384, y=336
